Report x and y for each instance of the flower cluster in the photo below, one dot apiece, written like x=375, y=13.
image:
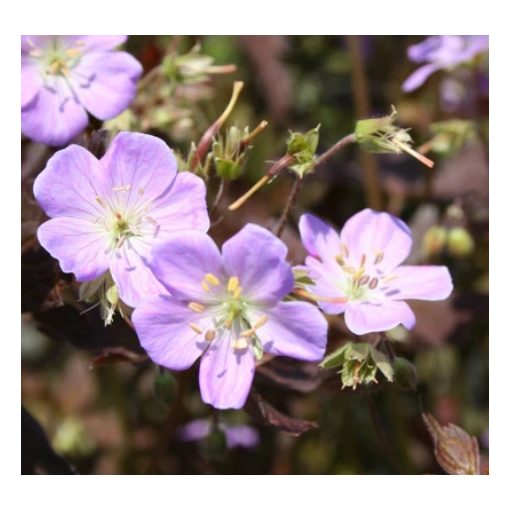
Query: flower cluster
x=133, y=231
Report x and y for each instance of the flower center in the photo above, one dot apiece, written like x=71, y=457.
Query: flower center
x=120, y=229
x=56, y=60
x=230, y=312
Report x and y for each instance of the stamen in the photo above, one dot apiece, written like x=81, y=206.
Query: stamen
x=344, y=250
x=54, y=67
x=100, y=202
x=204, y=285
x=233, y=284
x=118, y=215
x=73, y=52
x=373, y=283
x=196, y=307
x=141, y=191
x=248, y=333
x=229, y=320
x=378, y=258
x=260, y=322
x=239, y=344
x=364, y=280
x=363, y=260
x=237, y=293
x=35, y=53
x=340, y=260
x=210, y=334
x=195, y=328
x=389, y=278
x=65, y=71
x=210, y=278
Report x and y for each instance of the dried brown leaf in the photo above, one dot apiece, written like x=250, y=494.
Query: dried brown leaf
x=455, y=450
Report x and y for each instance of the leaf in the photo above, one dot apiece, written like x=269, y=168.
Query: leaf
x=455, y=450
x=264, y=413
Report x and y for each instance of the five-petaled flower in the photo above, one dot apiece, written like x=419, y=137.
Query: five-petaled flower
x=107, y=214
x=358, y=272
x=63, y=77
x=226, y=307
x=442, y=52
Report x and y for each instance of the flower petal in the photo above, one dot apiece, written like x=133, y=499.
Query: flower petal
x=134, y=279
x=431, y=283
x=417, y=78
x=240, y=435
x=293, y=329
x=162, y=325
x=53, y=116
x=142, y=163
x=364, y=317
x=226, y=374
x=31, y=80
x=105, y=82
x=319, y=238
x=181, y=262
x=79, y=246
x=183, y=208
x=369, y=233
x=70, y=184
x=257, y=258
x=92, y=42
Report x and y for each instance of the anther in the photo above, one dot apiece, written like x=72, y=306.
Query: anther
x=389, y=278
x=237, y=293
x=73, y=52
x=363, y=260
x=373, y=283
x=340, y=260
x=379, y=257
x=211, y=279
x=248, y=333
x=204, y=285
x=260, y=322
x=364, y=280
x=240, y=344
x=344, y=250
x=195, y=328
x=122, y=188
x=196, y=307
x=210, y=334
x=99, y=200
x=233, y=284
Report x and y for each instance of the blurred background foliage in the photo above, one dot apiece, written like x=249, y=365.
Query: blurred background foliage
x=105, y=408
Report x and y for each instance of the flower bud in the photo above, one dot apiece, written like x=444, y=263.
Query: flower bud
x=165, y=386
x=434, y=241
x=450, y=135
x=303, y=146
x=406, y=377
x=214, y=446
x=460, y=242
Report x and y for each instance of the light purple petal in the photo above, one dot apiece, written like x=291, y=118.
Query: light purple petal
x=319, y=238
x=53, y=117
x=194, y=430
x=31, y=80
x=240, y=435
x=325, y=285
x=30, y=42
x=162, y=325
x=368, y=233
x=79, y=246
x=181, y=262
x=294, y=329
x=363, y=318
x=226, y=374
x=92, y=42
x=417, y=78
x=134, y=279
x=70, y=184
x=257, y=258
x=183, y=208
x=143, y=163
x=105, y=82
x=431, y=283
x=422, y=51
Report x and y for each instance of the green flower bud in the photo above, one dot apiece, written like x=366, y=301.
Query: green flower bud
x=380, y=135
x=450, y=135
x=460, y=242
x=303, y=146
x=165, y=386
x=229, y=153
x=71, y=438
x=405, y=374
x=434, y=241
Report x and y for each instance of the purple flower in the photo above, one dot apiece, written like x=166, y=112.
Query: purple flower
x=442, y=52
x=106, y=214
x=235, y=435
x=228, y=309
x=64, y=76
x=358, y=272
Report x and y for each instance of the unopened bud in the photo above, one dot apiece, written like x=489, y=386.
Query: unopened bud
x=303, y=146
x=460, y=242
x=165, y=386
x=434, y=241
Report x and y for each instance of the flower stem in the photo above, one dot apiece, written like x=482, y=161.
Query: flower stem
x=291, y=199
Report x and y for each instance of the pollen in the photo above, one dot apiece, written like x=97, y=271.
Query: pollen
x=195, y=328
x=196, y=307
x=205, y=286
x=210, y=334
x=211, y=279
x=233, y=284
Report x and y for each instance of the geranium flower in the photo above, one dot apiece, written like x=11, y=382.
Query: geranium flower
x=64, y=76
x=228, y=309
x=442, y=52
x=358, y=272
x=106, y=214
x=235, y=435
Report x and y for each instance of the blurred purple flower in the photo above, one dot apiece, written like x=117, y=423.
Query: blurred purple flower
x=442, y=52
x=228, y=308
x=106, y=214
x=358, y=272
x=235, y=435
x=64, y=76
